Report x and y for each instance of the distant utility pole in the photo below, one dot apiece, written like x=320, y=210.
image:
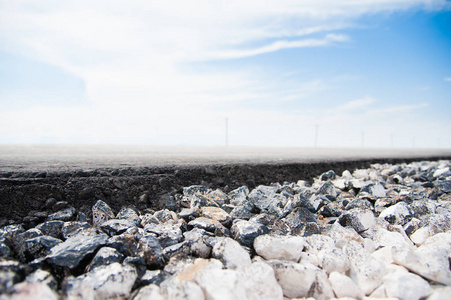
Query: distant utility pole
x=226, y=131
x=316, y=135
x=363, y=138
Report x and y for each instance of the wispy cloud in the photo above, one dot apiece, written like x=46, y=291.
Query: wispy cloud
x=447, y=78
x=357, y=104
x=281, y=45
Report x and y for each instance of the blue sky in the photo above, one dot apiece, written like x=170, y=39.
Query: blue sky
x=105, y=72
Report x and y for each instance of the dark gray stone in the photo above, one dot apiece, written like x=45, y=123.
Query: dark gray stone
x=189, y=214
x=130, y=215
x=67, y=214
x=116, y=226
x=245, y=232
x=138, y=263
x=52, y=228
x=329, y=175
x=154, y=277
x=103, y=257
x=150, y=249
x=37, y=247
x=71, y=252
x=125, y=243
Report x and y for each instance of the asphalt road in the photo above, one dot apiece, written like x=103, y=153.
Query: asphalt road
x=51, y=158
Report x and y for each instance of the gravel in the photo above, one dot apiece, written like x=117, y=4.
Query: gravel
x=381, y=232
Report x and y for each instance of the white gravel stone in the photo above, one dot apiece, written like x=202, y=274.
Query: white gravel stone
x=221, y=284
x=440, y=293
x=341, y=236
x=295, y=279
x=307, y=257
x=111, y=281
x=321, y=288
x=422, y=234
x=378, y=190
x=429, y=262
x=406, y=286
x=260, y=282
x=343, y=286
x=184, y=290
x=150, y=291
x=365, y=270
x=231, y=254
x=31, y=291
x=384, y=255
x=331, y=260
x=279, y=247
x=385, y=238
x=397, y=214
x=317, y=242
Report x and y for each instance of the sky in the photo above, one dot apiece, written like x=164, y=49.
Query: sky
x=349, y=73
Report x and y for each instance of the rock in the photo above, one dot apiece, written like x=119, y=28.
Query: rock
x=221, y=284
x=51, y=228
x=138, y=263
x=218, y=196
x=194, y=189
x=184, y=290
x=8, y=278
x=231, y=254
x=411, y=226
x=10, y=232
x=343, y=286
x=217, y=214
x=333, y=260
x=294, y=279
x=377, y=190
x=321, y=288
x=359, y=203
x=385, y=238
x=341, y=236
x=150, y=291
x=189, y=214
x=198, y=201
x=279, y=247
x=114, y=281
x=177, y=250
x=37, y=247
x=71, y=252
x=298, y=219
x=406, y=286
x=150, y=249
x=74, y=228
x=357, y=218
x=245, y=232
x=442, y=172
x=165, y=215
x=327, y=188
x=365, y=270
x=443, y=186
x=241, y=212
x=101, y=213
x=260, y=282
x=125, y=243
x=196, y=241
x=316, y=243
x=116, y=226
x=329, y=175
x=154, y=277
x=5, y=251
x=239, y=195
x=67, y=214
x=41, y=276
x=398, y=214
x=30, y=291
x=103, y=257
x=167, y=234
x=261, y=197
x=205, y=223
x=130, y=215
x=440, y=293
x=429, y=259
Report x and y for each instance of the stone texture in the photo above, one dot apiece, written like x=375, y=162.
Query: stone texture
x=71, y=252
x=101, y=213
x=406, y=286
x=279, y=247
x=114, y=281
x=245, y=232
x=231, y=254
x=343, y=286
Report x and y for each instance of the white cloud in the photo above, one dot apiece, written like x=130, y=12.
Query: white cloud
x=360, y=103
x=448, y=79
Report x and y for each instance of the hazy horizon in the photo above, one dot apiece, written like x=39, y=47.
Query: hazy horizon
x=347, y=74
